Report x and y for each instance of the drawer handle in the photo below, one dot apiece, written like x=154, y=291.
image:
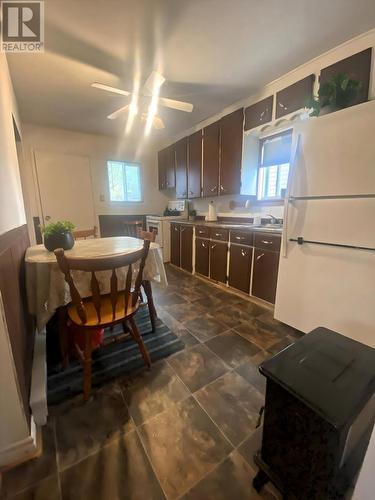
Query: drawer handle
x=217, y=234
x=267, y=242
x=260, y=256
x=243, y=253
x=201, y=232
x=240, y=237
x=213, y=189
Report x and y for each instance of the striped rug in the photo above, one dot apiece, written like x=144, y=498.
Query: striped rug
x=114, y=360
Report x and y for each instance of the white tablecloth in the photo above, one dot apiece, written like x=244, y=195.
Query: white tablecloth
x=45, y=284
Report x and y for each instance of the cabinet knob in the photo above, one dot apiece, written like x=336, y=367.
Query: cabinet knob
x=222, y=188
x=243, y=253
x=213, y=189
x=260, y=256
x=213, y=246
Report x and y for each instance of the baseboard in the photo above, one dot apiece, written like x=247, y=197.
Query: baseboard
x=38, y=392
x=23, y=450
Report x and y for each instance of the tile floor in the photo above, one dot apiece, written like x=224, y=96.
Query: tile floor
x=186, y=429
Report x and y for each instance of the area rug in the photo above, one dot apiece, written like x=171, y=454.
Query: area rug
x=115, y=359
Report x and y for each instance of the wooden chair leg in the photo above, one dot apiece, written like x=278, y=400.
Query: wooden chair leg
x=87, y=362
x=138, y=338
x=150, y=302
x=63, y=336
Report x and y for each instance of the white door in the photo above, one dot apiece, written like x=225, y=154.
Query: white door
x=65, y=188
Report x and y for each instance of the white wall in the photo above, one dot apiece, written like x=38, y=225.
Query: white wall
x=12, y=213
x=314, y=66
x=99, y=149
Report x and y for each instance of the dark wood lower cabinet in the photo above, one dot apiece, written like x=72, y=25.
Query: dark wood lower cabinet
x=175, y=245
x=186, y=237
x=240, y=267
x=218, y=261
x=202, y=256
x=265, y=270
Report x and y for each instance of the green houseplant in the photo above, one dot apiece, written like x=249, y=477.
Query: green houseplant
x=58, y=235
x=339, y=92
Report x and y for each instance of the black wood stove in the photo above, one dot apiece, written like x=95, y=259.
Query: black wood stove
x=318, y=417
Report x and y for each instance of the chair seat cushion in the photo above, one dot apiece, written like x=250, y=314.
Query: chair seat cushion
x=106, y=315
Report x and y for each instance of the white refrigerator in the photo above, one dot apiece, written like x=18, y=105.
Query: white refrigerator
x=328, y=280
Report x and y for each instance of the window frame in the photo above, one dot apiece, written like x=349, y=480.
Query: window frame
x=262, y=140
x=131, y=163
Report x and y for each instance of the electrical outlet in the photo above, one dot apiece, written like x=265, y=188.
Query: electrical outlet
x=102, y=197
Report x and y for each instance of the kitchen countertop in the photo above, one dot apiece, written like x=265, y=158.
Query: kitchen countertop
x=228, y=225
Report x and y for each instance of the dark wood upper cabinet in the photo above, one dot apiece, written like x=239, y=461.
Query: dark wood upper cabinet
x=240, y=267
x=259, y=113
x=211, y=157
x=170, y=166
x=202, y=256
x=161, y=169
x=231, y=134
x=166, y=167
x=181, y=168
x=186, y=236
x=265, y=270
x=357, y=66
x=194, y=164
x=218, y=261
x=294, y=97
x=175, y=245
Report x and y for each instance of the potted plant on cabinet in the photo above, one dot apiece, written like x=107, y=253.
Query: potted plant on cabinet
x=58, y=235
x=339, y=92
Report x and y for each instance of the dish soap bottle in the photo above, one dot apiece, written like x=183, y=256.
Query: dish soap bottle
x=212, y=216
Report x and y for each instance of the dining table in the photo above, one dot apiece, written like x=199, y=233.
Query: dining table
x=47, y=290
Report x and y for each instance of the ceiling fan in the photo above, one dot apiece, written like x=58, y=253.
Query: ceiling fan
x=149, y=95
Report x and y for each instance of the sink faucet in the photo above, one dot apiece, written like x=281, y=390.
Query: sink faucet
x=274, y=220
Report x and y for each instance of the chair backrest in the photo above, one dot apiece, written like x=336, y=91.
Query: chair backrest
x=68, y=264
x=146, y=235
x=85, y=233
x=131, y=227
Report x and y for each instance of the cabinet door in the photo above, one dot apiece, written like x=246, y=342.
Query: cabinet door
x=259, y=113
x=186, y=235
x=211, y=155
x=294, y=97
x=170, y=166
x=202, y=255
x=231, y=133
x=240, y=267
x=181, y=168
x=218, y=261
x=175, y=245
x=194, y=165
x=266, y=266
x=161, y=169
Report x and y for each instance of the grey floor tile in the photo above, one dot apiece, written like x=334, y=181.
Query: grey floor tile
x=84, y=427
x=197, y=366
x=233, y=404
x=170, y=299
x=185, y=312
x=47, y=489
x=153, y=391
x=229, y=480
x=31, y=472
x=232, y=348
x=183, y=445
x=204, y=327
x=118, y=471
x=259, y=334
x=250, y=372
x=251, y=446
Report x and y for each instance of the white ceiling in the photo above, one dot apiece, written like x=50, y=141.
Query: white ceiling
x=212, y=53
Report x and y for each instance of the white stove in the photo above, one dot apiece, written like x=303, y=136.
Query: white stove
x=161, y=225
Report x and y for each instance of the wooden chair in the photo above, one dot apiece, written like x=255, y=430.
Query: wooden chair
x=102, y=311
x=86, y=233
x=131, y=227
x=150, y=236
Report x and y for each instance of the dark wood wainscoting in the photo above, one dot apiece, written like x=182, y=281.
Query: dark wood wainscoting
x=13, y=245
x=113, y=225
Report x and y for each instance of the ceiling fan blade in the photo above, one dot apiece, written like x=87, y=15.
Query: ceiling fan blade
x=117, y=113
x=110, y=89
x=171, y=103
x=158, y=123
x=154, y=82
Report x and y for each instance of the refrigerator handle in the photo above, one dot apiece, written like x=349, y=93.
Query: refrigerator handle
x=292, y=167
